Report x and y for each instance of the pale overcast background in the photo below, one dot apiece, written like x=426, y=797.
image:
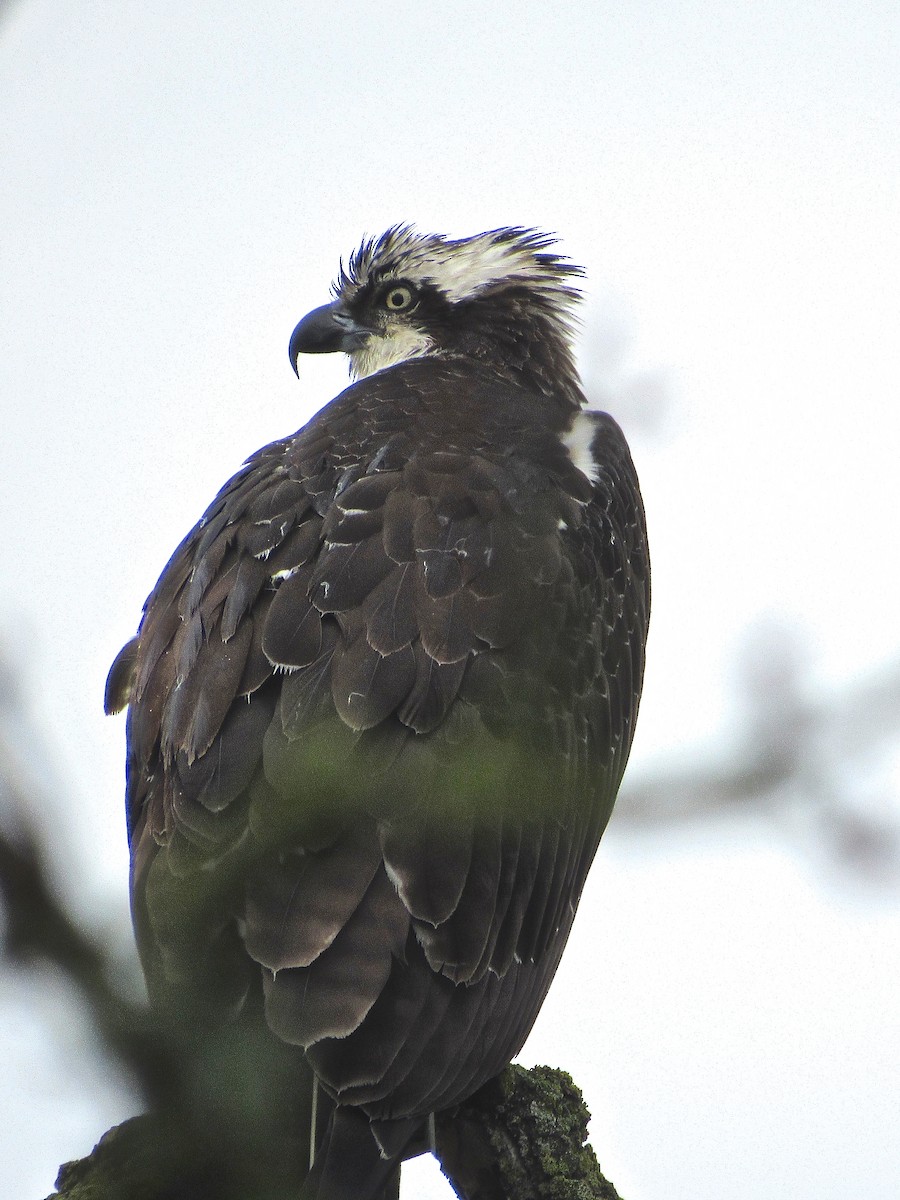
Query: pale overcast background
x=177, y=182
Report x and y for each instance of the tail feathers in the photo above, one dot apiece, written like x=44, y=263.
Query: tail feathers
x=349, y=1163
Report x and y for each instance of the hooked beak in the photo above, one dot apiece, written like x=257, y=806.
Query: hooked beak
x=325, y=330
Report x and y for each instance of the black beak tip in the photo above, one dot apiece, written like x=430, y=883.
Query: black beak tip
x=323, y=331
x=298, y=344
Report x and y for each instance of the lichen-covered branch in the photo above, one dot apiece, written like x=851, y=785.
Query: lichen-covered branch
x=522, y=1137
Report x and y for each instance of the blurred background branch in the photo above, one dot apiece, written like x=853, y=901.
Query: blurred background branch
x=38, y=927
x=807, y=759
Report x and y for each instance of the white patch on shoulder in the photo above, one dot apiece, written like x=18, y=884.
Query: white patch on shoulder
x=396, y=347
x=578, y=440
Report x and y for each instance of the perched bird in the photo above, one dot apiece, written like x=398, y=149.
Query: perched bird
x=383, y=694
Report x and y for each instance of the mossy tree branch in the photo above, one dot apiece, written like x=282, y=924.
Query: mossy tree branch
x=522, y=1137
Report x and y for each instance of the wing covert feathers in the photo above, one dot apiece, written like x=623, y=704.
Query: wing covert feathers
x=380, y=704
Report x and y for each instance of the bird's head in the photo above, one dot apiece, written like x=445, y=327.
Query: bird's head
x=500, y=298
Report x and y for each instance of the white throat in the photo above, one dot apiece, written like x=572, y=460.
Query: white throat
x=380, y=352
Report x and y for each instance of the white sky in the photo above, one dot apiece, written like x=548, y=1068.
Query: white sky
x=176, y=185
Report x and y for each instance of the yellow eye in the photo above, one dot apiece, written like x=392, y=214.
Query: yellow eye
x=398, y=297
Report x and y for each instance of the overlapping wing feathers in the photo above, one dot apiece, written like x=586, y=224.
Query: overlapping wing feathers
x=380, y=704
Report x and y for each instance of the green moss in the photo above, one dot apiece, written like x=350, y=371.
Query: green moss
x=540, y=1138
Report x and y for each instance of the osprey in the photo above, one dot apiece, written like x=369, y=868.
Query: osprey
x=383, y=694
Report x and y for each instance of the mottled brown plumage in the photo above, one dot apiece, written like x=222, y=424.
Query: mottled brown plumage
x=383, y=694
